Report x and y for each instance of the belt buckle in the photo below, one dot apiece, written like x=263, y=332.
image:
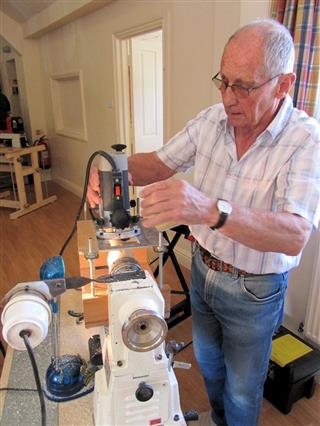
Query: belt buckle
x=241, y=273
x=236, y=272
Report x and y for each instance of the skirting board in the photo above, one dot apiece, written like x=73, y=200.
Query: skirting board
x=75, y=189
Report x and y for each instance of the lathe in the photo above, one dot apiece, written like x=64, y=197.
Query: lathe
x=136, y=384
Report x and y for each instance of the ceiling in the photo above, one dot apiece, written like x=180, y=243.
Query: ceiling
x=22, y=10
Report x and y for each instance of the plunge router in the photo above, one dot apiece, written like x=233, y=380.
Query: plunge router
x=115, y=220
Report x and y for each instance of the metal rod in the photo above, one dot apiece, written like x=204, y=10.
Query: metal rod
x=85, y=210
x=160, y=260
x=54, y=332
x=91, y=259
x=12, y=181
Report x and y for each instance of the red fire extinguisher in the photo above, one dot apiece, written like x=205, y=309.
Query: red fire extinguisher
x=44, y=156
x=9, y=124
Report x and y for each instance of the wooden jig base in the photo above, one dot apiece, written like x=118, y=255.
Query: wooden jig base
x=95, y=295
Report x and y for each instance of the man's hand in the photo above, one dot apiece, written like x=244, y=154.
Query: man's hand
x=93, y=192
x=176, y=201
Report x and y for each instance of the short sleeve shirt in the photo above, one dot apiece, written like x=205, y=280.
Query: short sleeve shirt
x=280, y=172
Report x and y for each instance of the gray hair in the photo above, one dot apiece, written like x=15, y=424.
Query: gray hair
x=278, y=44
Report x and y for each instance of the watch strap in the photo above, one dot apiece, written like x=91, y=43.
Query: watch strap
x=222, y=220
x=224, y=209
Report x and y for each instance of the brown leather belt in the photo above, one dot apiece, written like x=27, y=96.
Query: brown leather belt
x=218, y=265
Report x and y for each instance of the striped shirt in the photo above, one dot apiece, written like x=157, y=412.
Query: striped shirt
x=280, y=172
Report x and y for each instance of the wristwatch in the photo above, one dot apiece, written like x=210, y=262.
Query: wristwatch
x=224, y=209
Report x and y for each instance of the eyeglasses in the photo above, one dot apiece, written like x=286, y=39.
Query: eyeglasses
x=238, y=90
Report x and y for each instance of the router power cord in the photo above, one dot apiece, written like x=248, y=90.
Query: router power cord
x=84, y=194
x=25, y=334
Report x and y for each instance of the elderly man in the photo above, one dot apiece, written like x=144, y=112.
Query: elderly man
x=251, y=209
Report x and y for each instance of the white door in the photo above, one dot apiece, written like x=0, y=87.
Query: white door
x=147, y=97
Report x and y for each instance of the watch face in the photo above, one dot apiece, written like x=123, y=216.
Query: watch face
x=224, y=206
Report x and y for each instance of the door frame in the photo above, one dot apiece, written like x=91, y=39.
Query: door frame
x=124, y=122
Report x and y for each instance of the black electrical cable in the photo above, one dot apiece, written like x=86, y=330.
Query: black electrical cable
x=185, y=346
x=92, y=214
x=25, y=334
x=2, y=349
x=85, y=186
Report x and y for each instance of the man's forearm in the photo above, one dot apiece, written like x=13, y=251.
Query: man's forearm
x=267, y=231
x=146, y=168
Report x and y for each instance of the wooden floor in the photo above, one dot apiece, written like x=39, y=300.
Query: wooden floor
x=26, y=242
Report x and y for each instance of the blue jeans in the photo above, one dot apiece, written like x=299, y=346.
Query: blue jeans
x=233, y=320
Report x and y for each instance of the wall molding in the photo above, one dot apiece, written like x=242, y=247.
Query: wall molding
x=61, y=126
x=66, y=184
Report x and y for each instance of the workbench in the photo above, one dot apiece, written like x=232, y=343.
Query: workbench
x=22, y=162
x=23, y=408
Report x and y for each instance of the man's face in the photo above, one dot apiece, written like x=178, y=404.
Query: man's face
x=242, y=64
